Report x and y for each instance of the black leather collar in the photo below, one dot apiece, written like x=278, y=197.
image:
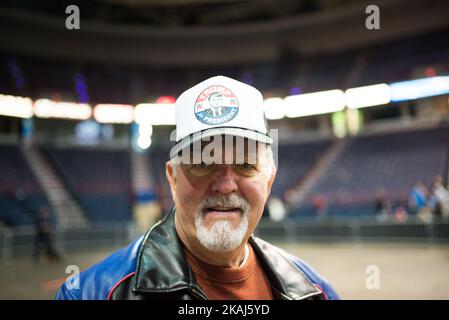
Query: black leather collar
x=162, y=267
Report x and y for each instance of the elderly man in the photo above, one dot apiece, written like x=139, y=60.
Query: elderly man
x=220, y=174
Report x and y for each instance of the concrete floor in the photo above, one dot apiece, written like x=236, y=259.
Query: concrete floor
x=404, y=271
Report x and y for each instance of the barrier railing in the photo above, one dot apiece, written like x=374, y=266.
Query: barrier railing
x=355, y=230
x=19, y=241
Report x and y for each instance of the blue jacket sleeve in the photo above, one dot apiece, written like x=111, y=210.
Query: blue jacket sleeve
x=97, y=282
x=315, y=278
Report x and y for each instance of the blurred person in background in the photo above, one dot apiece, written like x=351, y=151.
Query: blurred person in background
x=276, y=209
x=204, y=247
x=400, y=215
x=441, y=195
x=417, y=199
x=320, y=206
x=43, y=238
x=383, y=206
x=423, y=202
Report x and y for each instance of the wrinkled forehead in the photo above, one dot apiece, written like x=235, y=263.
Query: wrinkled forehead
x=223, y=149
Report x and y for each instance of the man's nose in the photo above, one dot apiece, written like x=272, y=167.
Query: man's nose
x=224, y=180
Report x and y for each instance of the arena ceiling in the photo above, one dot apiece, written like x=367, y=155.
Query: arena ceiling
x=180, y=13
x=206, y=33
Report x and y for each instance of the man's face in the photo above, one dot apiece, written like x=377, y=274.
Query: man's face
x=218, y=206
x=216, y=100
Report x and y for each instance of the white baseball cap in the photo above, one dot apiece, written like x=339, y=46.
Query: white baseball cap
x=219, y=106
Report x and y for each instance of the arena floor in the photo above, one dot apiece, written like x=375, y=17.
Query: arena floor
x=405, y=271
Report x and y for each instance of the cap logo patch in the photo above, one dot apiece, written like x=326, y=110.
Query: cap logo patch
x=216, y=105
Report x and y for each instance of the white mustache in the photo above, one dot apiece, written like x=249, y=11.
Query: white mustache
x=224, y=201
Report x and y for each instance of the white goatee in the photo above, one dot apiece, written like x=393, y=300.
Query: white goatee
x=222, y=236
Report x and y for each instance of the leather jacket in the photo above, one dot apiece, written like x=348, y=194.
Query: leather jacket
x=154, y=267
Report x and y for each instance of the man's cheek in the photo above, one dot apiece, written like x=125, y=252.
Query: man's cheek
x=257, y=192
x=187, y=199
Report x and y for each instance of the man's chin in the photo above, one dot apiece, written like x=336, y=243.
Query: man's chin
x=221, y=235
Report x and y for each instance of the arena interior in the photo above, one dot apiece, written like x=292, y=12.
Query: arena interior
x=361, y=113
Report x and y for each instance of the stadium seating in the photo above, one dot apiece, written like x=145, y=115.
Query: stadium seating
x=390, y=61
x=328, y=72
x=20, y=194
x=99, y=179
x=158, y=156
x=393, y=162
x=403, y=56
x=295, y=160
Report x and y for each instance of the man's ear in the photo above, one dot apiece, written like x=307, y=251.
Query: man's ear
x=171, y=177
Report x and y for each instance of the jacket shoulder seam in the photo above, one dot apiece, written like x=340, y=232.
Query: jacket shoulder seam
x=118, y=283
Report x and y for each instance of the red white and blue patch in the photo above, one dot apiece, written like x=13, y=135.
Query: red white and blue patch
x=216, y=105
